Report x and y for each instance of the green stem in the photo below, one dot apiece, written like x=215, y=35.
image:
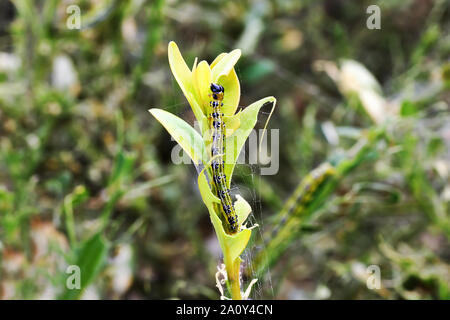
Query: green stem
x=70, y=223
x=233, y=268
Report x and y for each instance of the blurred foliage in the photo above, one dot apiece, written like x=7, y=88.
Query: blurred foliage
x=86, y=175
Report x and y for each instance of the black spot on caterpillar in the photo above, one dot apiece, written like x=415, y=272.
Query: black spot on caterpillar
x=304, y=194
x=217, y=166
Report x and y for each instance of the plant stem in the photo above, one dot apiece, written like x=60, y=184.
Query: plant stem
x=233, y=277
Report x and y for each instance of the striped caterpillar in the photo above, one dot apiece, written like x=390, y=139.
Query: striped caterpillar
x=217, y=164
x=304, y=194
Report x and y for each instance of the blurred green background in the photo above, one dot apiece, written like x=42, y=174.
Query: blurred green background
x=86, y=176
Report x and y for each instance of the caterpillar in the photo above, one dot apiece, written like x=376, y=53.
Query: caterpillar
x=304, y=194
x=217, y=151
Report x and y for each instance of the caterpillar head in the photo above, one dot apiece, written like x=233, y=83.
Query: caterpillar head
x=217, y=91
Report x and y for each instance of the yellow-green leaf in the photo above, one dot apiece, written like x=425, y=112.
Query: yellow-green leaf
x=225, y=64
x=224, y=74
x=232, y=92
x=183, y=76
x=242, y=208
x=237, y=243
x=208, y=197
x=202, y=81
x=186, y=136
x=232, y=245
x=232, y=123
x=236, y=141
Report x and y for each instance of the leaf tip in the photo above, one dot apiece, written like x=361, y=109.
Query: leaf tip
x=172, y=44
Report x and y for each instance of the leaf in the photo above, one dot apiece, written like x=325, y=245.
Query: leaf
x=236, y=243
x=243, y=209
x=232, y=93
x=232, y=123
x=232, y=245
x=183, y=76
x=186, y=136
x=123, y=166
x=179, y=68
x=228, y=79
x=225, y=64
x=202, y=82
x=208, y=197
x=236, y=141
x=90, y=258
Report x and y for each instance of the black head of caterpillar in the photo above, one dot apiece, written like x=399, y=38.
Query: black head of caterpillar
x=217, y=88
x=217, y=125
x=217, y=93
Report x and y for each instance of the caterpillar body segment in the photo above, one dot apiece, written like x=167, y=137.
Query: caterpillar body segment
x=217, y=165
